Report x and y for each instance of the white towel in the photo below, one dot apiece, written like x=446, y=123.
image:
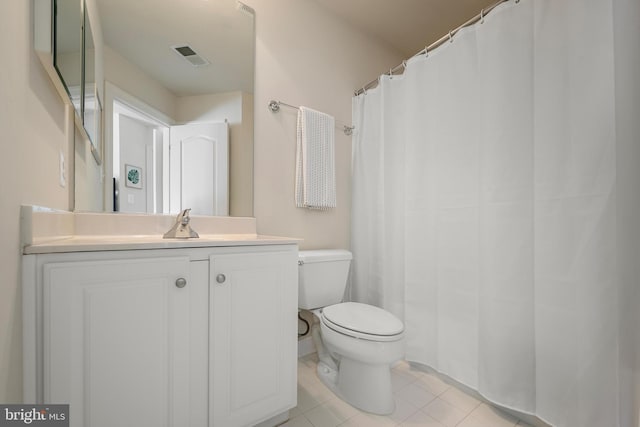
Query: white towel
x=315, y=160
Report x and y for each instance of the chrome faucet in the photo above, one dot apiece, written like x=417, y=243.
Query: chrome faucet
x=181, y=229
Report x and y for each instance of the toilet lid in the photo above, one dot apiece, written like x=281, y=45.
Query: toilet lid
x=363, y=318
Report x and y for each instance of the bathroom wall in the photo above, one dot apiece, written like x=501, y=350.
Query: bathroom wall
x=305, y=56
x=36, y=127
x=217, y=106
x=134, y=81
x=86, y=196
x=241, y=174
x=135, y=137
x=627, y=69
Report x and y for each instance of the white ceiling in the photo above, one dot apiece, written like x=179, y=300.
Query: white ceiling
x=406, y=25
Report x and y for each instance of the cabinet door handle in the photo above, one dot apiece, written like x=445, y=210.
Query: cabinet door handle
x=220, y=278
x=181, y=282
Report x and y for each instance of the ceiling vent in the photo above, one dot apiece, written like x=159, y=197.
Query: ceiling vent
x=187, y=52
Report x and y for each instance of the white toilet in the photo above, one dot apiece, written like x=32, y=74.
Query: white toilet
x=357, y=343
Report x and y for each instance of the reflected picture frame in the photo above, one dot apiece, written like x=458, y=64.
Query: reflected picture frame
x=133, y=176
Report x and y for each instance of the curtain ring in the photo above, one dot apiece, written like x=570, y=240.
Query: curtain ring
x=426, y=51
x=482, y=16
x=404, y=64
x=450, y=37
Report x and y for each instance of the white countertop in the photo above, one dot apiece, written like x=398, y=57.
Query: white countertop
x=91, y=243
x=46, y=230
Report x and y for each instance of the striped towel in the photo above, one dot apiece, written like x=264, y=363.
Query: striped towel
x=315, y=160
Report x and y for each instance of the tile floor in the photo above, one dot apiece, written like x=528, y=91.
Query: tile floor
x=422, y=400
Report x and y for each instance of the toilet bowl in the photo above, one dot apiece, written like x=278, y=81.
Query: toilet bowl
x=364, y=354
x=356, y=343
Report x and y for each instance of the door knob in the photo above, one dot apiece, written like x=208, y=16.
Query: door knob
x=181, y=282
x=220, y=278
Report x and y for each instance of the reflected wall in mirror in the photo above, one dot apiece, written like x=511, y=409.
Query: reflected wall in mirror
x=168, y=64
x=67, y=47
x=91, y=106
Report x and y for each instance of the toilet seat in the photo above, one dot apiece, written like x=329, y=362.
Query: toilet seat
x=363, y=321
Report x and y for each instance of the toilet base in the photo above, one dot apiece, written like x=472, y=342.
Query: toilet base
x=364, y=386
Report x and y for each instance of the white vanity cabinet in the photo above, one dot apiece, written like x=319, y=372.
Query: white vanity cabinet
x=250, y=347
x=122, y=341
x=169, y=337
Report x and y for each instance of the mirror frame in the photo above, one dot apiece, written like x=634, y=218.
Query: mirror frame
x=43, y=43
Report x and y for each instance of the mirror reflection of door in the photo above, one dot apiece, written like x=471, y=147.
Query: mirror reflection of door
x=140, y=143
x=162, y=168
x=198, y=168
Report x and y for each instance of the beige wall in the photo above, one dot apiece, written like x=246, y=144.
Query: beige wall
x=35, y=128
x=133, y=80
x=241, y=173
x=214, y=107
x=304, y=56
x=86, y=197
x=627, y=68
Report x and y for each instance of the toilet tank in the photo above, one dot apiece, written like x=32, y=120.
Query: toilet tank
x=322, y=277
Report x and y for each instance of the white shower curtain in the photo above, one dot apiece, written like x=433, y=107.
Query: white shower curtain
x=484, y=209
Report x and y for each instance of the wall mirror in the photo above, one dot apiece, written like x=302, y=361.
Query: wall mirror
x=169, y=65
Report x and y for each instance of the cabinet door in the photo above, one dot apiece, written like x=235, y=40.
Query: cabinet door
x=124, y=345
x=253, y=337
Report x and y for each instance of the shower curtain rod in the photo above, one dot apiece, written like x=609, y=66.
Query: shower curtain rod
x=274, y=106
x=432, y=46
